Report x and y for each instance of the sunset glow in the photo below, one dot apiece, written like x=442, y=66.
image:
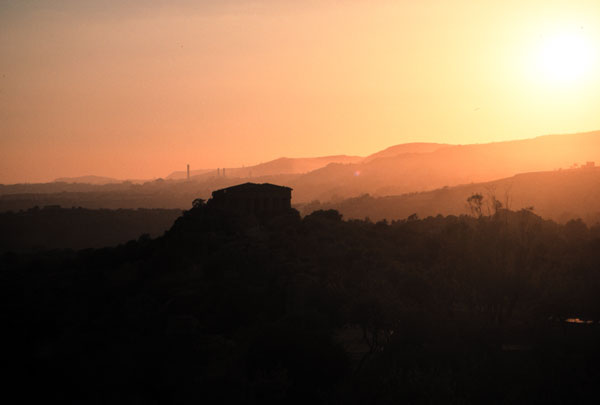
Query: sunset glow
x=139, y=89
x=567, y=57
x=300, y=201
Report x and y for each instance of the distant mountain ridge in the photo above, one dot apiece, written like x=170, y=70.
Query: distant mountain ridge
x=559, y=195
x=407, y=167
x=400, y=169
x=447, y=166
x=278, y=166
x=406, y=148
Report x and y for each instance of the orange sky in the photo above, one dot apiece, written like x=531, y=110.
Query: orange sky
x=139, y=90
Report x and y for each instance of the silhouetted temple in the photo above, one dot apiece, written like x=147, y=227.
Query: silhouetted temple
x=253, y=198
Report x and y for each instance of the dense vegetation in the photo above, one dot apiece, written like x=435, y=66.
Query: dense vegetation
x=54, y=227
x=231, y=309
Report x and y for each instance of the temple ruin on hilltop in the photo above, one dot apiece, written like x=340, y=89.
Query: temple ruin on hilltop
x=253, y=198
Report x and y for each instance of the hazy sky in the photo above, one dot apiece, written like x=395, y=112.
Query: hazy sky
x=137, y=89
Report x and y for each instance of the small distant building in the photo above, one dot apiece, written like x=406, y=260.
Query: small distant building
x=589, y=165
x=253, y=198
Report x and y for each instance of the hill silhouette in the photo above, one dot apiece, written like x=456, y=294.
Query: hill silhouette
x=397, y=170
x=405, y=148
x=447, y=166
x=168, y=194
x=559, y=195
x=274, y=167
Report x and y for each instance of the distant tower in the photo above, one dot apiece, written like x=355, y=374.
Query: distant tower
x=223, y=172
x=218, y=171
x=188, y=172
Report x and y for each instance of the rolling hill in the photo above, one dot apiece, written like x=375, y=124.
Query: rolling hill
x=449, y=165
x=405, y=148
x=274, y=167
x=398, y=170
x=559, y=195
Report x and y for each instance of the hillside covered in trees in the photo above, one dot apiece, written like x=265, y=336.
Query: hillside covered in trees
x=284, y=309
x=53, y=227
x=560, y=195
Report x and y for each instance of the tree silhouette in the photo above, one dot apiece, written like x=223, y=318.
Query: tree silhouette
x=475, y=203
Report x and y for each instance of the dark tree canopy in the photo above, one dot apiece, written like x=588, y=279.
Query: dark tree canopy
x=239, y=309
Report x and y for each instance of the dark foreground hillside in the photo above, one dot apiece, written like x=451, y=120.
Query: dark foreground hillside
x=79, y=228
x=161, y=194
x=227, y=309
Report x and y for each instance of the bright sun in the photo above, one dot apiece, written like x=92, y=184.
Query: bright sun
x=565, y=57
